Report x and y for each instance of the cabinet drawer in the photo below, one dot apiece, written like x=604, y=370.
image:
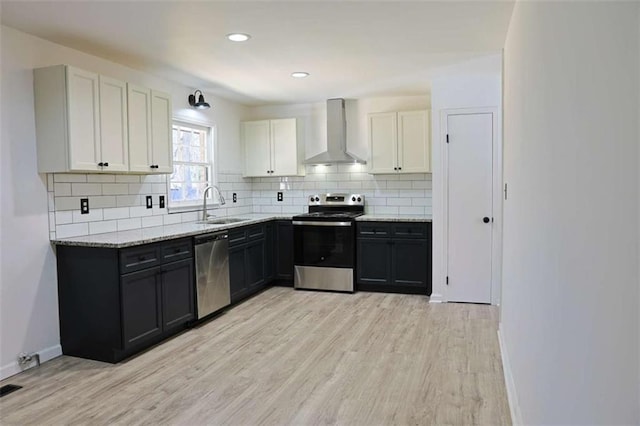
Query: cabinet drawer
x=237, y=236
x=255, y=232
x=410, y=230
x=177, y=250
x=138, y=258
x=374, y=229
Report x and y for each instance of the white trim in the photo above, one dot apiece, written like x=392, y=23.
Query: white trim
x=435, y=298
x=496, y=240
x=512, y=396
x=45, y=355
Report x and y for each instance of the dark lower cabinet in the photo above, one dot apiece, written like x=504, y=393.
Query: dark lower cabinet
x=283, y=248
x=141, y=306
x=247, y=261
x=178, y=299
x=114, y=303
x=394, y=257
x=269, y=258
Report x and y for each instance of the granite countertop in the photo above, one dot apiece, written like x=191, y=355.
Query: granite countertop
x=136, y=237
x=394, y=218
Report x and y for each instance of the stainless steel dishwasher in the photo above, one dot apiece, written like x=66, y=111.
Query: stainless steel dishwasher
x=212, y=273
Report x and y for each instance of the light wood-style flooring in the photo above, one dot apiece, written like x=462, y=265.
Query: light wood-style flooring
x=289, y=357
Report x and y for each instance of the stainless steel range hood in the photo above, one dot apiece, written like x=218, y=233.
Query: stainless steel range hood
x=336, y=137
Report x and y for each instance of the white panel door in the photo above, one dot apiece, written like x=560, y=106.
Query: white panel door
x=469, y=194
x=161, y=132
x=139, y=112
x=114, y=136
x=413, y=142
x=257, y=150
x=84, y=120
x=284, y=150
x=383, y=142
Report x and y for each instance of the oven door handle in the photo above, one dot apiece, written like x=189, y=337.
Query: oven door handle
x=318, y=223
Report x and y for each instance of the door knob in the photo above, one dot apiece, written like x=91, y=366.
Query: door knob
x=485, y=219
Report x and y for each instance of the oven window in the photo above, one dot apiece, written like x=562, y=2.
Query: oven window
x=324, y=246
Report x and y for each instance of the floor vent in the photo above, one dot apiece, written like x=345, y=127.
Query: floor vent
x=7, y=389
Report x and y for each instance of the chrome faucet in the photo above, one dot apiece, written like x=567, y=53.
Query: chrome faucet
x=205, y=216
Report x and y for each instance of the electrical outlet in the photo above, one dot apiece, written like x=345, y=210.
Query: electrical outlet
x=235, y=197
x=161, y=202
x=279, y=196
x=149, y=201
x=84, y=206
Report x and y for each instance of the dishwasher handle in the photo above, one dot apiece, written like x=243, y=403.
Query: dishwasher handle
x=211, y=237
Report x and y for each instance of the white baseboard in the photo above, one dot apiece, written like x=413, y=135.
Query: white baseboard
x=45, y=355
x=436, y=298
x=514, y=406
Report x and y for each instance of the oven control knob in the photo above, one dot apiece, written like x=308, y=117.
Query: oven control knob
x=311, y=198
x=359, y=199
x=317, y=199
x=353, y=198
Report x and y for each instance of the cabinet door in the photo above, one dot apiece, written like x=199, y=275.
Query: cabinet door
x=84, y=120
x=414, y=151
x=255, y=265
x=141, y=306
x=410, y=263
x=257, y=148
x=139, y=112
x=161, y=133
x=269, y=241
x=177, y=293
x=237, y=273
x=114, y=136
x=374, y=261
x=383, y=141
x=284, y=149
x=284, y=250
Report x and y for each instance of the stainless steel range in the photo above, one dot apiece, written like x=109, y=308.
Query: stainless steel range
x=324, y=241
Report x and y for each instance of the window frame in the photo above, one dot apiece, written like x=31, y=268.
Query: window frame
x=212, y=164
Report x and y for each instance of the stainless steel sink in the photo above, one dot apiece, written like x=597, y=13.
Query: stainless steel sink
x=222, y=220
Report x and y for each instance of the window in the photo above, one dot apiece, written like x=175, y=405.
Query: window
x=193, y=166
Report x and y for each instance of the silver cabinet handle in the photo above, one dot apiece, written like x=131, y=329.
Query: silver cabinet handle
x=315, y=223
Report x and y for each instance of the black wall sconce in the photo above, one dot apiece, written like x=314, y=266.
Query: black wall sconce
x=201, y=104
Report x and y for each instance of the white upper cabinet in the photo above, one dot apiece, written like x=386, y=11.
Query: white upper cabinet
x=114, y=135
x=399, y=142
x=87, y=122
x=150, y=137
x=271, y=148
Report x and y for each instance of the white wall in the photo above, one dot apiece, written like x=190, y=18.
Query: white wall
x=28, y=295
x=570, y=286
x=475, y=83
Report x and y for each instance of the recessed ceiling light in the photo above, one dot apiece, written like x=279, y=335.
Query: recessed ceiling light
x=238, y=37
x=299, y=74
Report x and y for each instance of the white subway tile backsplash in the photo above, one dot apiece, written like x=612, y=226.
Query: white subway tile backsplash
x=171, y=219
x=115, y=189
x=126, y=224
x=94, y=215
x=62, y=189
x=64, y=177
x=140, y=211
x=116, y=213
x=101, y=202
x=150, y=221
x=63, y=218
x=127, y=179
x=86, y=189
x=72, y=230
x=103, y=226
x=117, y=202
x=101, y=178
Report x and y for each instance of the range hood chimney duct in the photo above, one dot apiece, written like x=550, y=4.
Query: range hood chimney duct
x=336, y=152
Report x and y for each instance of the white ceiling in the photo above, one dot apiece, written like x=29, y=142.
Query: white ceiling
x=352, y=49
